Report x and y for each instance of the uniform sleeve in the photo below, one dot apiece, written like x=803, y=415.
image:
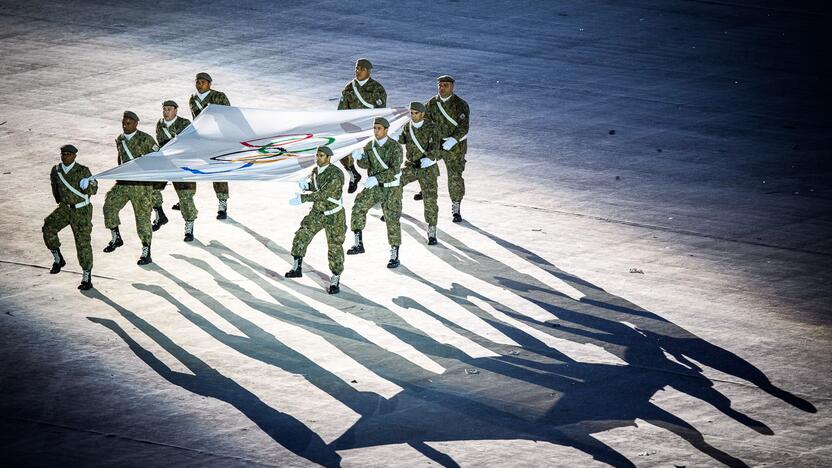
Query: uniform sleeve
x=462, y=122
x=380, y=95
x=365, y=163
x=222, y=100
x=332, y=188
x=342, y=103
x=432, y=148
x=160, y=136
x=192, y=105
x=394, y=165
x=118, y=152
x=91, y=189
x=53, y=180
x=403, y=136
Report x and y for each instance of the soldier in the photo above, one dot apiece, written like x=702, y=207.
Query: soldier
x=383, y=160
x=450, y=114
x=361, y=93
x=421, y=142
x=132, y=144
x=167, y=128
x=326, y=184
x=199, y=101
x=72, y=185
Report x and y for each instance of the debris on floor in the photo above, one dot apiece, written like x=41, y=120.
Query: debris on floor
x=637, y=270
x=472, y=371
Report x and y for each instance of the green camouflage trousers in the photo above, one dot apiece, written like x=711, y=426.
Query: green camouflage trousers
x=455, y=165
x=80, y=220
x=185, y=191
x=141, y=197
x=429, y=184
x=391, y=205
x=221, y=189
x=335, y=227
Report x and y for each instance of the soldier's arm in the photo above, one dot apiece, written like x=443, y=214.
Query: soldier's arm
x=53, y=179
x=329, y=189
x=222, y=100
x=342, y=103
x=92, y=188
x=434, y=143
x=192, y=105
x=462, y=122
x=382, y=96
x=118, y=152
x=368, y=152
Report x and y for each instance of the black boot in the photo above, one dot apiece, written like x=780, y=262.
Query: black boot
x=354, y=178
x=115, y=242
x=175, y=206
x=297, y=269
x=358, y=248
x=222, y=210
x=161, y=219
x=431, y=235
x=334, y=287
x=189, y=231
x=86, y=281
x=418, y=196
x=455, y=211
x=145, y=258
x=58, y=261
x=394, y=257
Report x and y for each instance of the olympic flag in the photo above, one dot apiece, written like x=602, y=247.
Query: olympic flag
x=226, y=143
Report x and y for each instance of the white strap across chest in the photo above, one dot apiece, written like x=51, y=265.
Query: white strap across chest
x=72, y=189
x=197, y=101
x=442, y=110
x=127, y=150
x=165, y=129
x=360, y=98
x=413, y=137
x=378, y=158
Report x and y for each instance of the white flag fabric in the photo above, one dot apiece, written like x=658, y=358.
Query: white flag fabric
x=226, y=143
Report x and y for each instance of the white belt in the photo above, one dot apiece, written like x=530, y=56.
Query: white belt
x=336, y=209
x=72, y=189
x=361, y=98
x=394, y=183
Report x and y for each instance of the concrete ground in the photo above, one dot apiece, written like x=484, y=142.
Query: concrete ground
x=686, y=141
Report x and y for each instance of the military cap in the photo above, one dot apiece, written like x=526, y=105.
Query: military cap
x=381, y=121
x=203, y=76
x=364, y=63
x=170, y=103
x=325, y=150
x=69, y=149
x=445, y=78
x=418, y=106
x=131, y=115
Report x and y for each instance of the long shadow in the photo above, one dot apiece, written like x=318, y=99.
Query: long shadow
x=530, y=391
x=207, y=381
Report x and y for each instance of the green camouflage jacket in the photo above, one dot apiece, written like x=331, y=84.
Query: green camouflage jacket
x=372, y=93
x=213, y=97
x=324, y=185
x=64, y=195
x=424, y=145
x=456, y=109
x=163, y=136
x=138, y=146
x=385, y=163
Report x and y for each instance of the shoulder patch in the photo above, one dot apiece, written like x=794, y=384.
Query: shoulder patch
x=378, y=101
x=462, y=115
x=155, y=147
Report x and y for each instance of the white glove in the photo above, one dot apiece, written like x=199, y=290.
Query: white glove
x=295, y=201
x=425, y=162
x=394, y=135
x=303, y=184
x=358, y=154
x=370, y=182
x=449, y=143
x=85, y=182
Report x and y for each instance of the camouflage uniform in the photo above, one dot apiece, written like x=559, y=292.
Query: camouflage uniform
x=197, y=105
x=373, y=96
x=185, y=190
x=427, y=147
x=72, y=210
x=457, y=109
x=384, y=163
x=326, y=185
x=139, y=194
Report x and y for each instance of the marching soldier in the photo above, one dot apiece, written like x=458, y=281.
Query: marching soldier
x=361, y=93
x=421, y=142
x=72, y=187
x=167, y=128
x=326, y=184
x=131, y=144
x=383, y=160
x=199, y=101
x=450, y=114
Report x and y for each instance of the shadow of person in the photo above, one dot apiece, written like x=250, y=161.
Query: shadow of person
x=207, y=381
